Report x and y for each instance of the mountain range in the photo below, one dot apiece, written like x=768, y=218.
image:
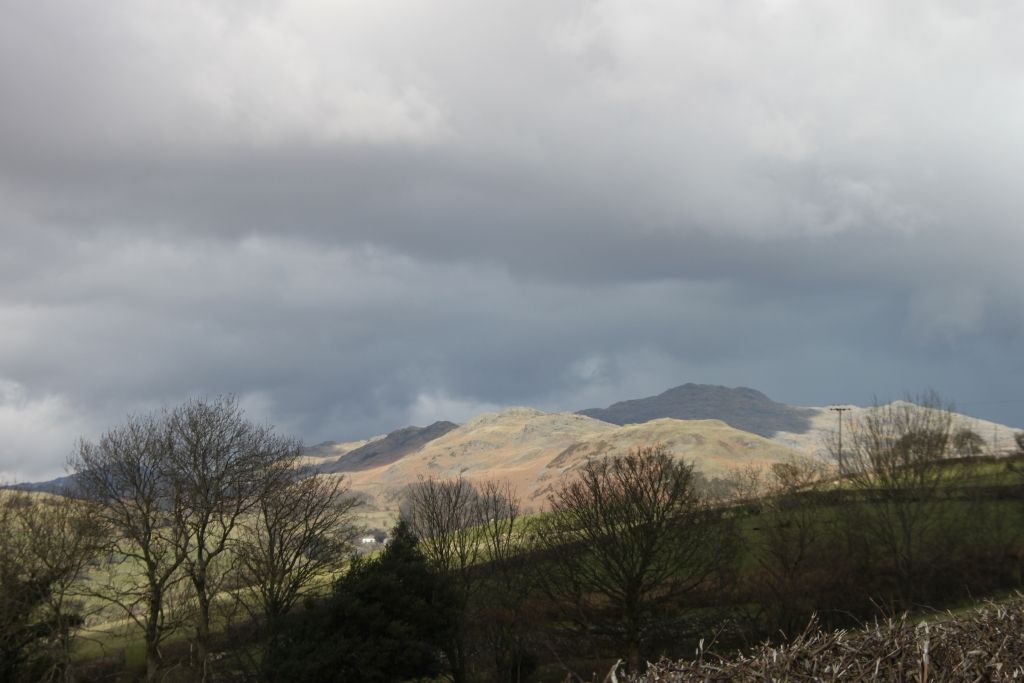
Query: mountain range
x=719, y=429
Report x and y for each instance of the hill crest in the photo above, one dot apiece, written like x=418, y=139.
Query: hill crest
x=533, y=450
x=391, y=448
x=740, y=407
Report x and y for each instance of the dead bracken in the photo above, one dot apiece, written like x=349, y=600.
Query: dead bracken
x=984, y=645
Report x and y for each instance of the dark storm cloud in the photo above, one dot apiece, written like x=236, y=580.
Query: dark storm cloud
x=357, y=216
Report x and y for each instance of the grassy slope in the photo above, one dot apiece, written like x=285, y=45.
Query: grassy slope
x=106, y=638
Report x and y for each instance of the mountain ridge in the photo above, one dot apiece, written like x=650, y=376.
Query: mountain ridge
x=533, y=449
x=392, y=447
x=740, y=407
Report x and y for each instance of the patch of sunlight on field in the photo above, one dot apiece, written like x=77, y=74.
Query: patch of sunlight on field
x=110, y=634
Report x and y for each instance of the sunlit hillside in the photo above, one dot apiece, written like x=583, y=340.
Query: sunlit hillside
x=533, y=450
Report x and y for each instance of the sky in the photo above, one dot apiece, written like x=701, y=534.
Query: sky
x=360, y=215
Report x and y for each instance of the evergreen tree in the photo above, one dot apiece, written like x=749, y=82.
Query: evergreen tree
x=385, y=621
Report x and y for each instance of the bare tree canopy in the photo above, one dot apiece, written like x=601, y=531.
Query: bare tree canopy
x=895, y=446
x=46, y=543
x=123, y=474
x=631, y=530
x=296, y=533
x=790, y=539
x=174, y=486
x=447, y=517
x=897, y=458
x=471, y=536
x=223, y=465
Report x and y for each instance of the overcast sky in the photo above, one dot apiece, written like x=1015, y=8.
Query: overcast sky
x=359, y=215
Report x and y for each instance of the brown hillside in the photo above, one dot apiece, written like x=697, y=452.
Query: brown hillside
x=533, y=450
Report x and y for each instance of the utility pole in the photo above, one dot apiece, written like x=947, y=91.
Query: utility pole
x=840, y=410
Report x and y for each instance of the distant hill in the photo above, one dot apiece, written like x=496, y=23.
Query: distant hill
x=60, y=486
x=326, y=452
x=742, y=408
x=533, y=450
x=813, y=440
x=716, y=428
x=389, y=449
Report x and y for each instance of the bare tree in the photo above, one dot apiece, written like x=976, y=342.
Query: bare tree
x=791, y=537
x=20, y=589
x=123, y=474
x=894, y=457
x=222, y=465
x=65, y=535
x=630, y=531
x=296, y=534
x=500, y=624
x=173, y=487
x=446, y=517
x=46, y=543
x=471, y=536
x=498, y=511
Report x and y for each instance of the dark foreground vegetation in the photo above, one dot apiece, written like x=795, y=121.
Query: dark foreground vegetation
x=193, y=527
x=984, y=645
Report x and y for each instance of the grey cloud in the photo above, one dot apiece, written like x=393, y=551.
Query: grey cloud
x=353, y=215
